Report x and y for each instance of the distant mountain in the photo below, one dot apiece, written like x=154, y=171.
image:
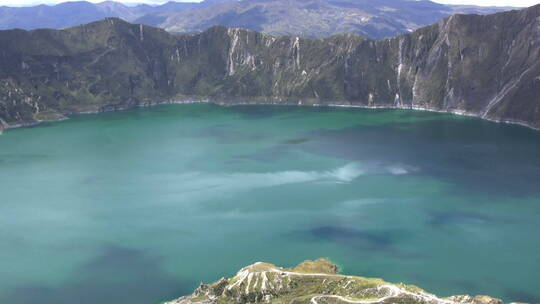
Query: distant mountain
x=485, y=66
x=314, y=18
x=69, y=14
x=309, y=18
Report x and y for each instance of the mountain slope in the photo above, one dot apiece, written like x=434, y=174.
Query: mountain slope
x=313, y=18
x=486, y=66
x=313, y=282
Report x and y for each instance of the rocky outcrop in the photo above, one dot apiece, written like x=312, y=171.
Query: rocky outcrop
x=313, y=282
x=486, y=66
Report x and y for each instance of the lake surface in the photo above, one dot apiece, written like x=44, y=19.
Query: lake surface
x=140, y=206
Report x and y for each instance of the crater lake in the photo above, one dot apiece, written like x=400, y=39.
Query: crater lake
x=141, y=206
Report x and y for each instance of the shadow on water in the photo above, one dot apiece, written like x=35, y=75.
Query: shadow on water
x=296, y=141
x=379, y=242
x=276, y=153
x=354, y=237
x=456, y=218
x=470, y=287
x=250, y=112
x=273, y=154
x=521, y=296
x=224, y=134
x=479, y=156
x=114, y=276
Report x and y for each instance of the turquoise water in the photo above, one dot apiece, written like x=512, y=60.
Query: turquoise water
x=140, y=206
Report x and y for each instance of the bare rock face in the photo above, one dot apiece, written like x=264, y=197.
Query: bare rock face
x=485, y=66
x=266, y=283
x=475, y=300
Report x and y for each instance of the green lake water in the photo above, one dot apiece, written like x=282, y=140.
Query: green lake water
x=140, y=206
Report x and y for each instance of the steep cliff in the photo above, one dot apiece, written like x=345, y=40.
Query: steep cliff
x=313, y=282
x=487, y=66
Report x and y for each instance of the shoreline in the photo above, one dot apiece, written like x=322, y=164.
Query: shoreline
x=323, y=284
x=279, y=102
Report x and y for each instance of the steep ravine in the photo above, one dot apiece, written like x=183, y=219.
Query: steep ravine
x=485, y=66
x=314, y=282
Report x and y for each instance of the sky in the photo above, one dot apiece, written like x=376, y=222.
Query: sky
x=517, y=3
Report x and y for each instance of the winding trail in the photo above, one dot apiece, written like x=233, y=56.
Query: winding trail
x=393, y=290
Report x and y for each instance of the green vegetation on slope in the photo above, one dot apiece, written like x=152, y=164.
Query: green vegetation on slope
x=313, y=282
x=486, y=66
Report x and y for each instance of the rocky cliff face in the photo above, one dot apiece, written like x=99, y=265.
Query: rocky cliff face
x=487, y=66
x=313, y=282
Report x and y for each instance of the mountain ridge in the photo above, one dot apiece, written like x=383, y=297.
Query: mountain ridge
x=316, y=18
x=74, y=13
x=307, y=18
x=485, y=66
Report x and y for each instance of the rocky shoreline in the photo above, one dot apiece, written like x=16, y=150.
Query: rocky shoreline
x=113, y=108
x=482, y=66
x=314, y=282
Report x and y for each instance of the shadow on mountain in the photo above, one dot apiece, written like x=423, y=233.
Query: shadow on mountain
x=252, y=18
